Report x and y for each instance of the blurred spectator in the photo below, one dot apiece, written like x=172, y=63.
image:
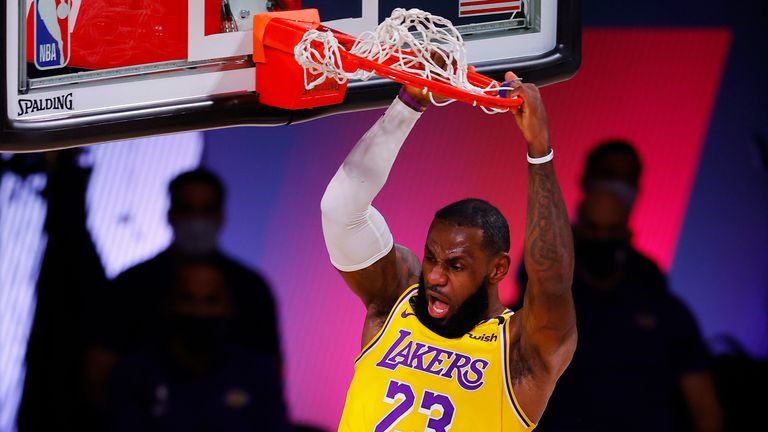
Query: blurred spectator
x=195, y=378
x=70, y=275
x=613, y=164
x=131, y=317
x=640, y=363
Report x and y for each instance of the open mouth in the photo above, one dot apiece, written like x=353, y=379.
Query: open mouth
x=437, y=306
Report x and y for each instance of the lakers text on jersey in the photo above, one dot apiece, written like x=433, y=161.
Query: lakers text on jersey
x=410, y=379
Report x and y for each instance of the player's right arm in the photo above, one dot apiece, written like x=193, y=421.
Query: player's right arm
x=357, y=237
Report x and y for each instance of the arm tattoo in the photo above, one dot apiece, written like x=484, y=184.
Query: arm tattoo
x=548, y=242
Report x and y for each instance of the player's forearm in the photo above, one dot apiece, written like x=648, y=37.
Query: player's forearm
x=356, y=235
x=371, y=160
x=366, y=168
x=548, y=239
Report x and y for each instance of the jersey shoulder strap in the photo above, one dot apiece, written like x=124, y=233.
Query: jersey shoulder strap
x=404, y=297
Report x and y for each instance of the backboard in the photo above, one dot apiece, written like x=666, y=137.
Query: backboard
x=77, y=72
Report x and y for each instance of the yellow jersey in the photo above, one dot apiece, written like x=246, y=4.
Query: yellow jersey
x=407, y=378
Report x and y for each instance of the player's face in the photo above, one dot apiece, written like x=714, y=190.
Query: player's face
x=200, y=310
x=601, y=237
x=603, y=216
x=196, y=200
x=196, y=217
x=201, y=292
x=455, y=278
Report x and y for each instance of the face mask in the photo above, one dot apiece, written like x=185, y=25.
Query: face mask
x=196, y=236
x=627, y=193
x=601, y=258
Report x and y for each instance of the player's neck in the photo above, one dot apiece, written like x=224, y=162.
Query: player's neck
x=495, y=308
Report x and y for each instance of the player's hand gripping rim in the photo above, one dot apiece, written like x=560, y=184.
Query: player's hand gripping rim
x=530, y=116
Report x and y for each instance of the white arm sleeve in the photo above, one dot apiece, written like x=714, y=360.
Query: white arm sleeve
x=356, y=234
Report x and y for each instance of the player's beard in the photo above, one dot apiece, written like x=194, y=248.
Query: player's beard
x=466, y=317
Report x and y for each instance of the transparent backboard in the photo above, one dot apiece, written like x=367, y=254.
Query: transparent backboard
x=77, y=72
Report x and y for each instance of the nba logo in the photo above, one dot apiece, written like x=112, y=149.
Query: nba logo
x=52, y=44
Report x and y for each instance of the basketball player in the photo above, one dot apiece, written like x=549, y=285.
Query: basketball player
x=439, y=350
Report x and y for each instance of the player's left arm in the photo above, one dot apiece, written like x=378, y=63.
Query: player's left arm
x=544, y=333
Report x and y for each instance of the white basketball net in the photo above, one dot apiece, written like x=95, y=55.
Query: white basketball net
x=419, y=32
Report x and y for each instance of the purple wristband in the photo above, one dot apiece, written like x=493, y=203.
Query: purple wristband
x=411, y=102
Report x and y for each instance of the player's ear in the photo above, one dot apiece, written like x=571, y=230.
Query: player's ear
x=499, y=267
